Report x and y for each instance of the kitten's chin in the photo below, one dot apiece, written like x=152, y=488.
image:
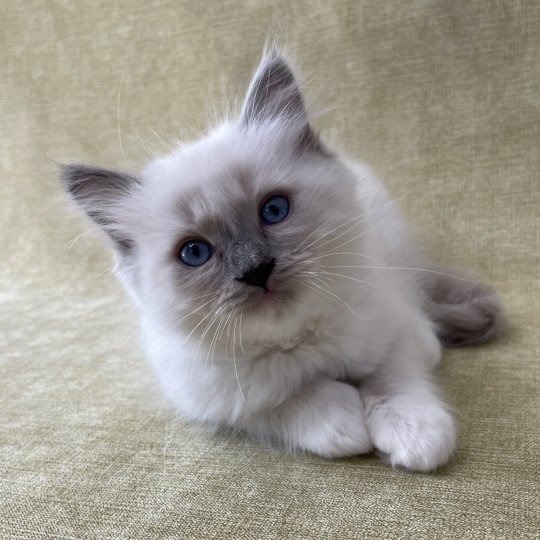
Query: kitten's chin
x=279, y=318
x=272, y=301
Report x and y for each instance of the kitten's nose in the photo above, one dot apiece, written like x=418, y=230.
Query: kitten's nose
x=258, y=275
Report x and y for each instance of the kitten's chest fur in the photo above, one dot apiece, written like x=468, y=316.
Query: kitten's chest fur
x=308, y=335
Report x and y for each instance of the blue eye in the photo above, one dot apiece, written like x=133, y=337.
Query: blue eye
x=195, y=252
x=274, y=210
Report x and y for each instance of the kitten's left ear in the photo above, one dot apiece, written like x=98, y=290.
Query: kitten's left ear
x=274, y=95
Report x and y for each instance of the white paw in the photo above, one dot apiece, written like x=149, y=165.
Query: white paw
x=418, y=437
x=335, y=424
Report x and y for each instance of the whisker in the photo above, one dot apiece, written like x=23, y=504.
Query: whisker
x=168, y=146
x=163, y=405
x=79, y=236
x=338, y=236
x=201, y=339
x=405, y=268
x=221, y=325
x=353, y=219
x=325, y=279
x=333, y=295
x=199, y=324
x=228, y=340
x=362, y=234
x=240, y=330
x=166, y=434
x=118, y=119
x=195, y=310
x=213, y=341
x=311, y=234
x=169, y=437
x=313, y=286
x=234, y=361
x=346, y=253
x=202, y=296
x=224, y=327
x=320, y=277
x=351, y=278
x=333, y=230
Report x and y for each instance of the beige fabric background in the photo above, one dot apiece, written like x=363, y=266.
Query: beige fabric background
x=440, y=97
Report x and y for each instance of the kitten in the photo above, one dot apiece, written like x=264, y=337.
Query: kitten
x=279, y=288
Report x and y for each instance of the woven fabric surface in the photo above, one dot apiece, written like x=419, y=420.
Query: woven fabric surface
x=440, y=98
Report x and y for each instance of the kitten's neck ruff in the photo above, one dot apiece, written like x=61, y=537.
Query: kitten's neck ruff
x=255, y=336
x=304, y=334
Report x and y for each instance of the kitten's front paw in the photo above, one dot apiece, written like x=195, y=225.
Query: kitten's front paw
x=418, y=437
x=335, y=425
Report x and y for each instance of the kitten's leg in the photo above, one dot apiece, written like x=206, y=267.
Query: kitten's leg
x=325, y=417
x=406, y=417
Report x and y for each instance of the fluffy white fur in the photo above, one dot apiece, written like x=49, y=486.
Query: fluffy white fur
x=336, y=357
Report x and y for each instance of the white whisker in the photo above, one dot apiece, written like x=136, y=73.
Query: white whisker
x=351, y=278
x=118, y=119
x=234, y=361
x=361, y=235
x=195, y=310
x=312, y=233
x=325, y=289
x=213, y=341
x=313, y=286
x=331, y=254
x=168, y=438
x=221, y=333
x=201, y=339
x=199, y=324
x=404, y=268
x=240, y=330
x=202, y=296
x=325, y=279
x=78, y=237
x=351, y=220
x=221, y=325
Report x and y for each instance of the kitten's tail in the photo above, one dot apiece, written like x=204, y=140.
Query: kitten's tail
x=466, y=312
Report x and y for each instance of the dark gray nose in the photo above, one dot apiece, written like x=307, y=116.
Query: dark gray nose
x=258, y=275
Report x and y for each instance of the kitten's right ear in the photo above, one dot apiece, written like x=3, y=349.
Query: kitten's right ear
x=100, y=192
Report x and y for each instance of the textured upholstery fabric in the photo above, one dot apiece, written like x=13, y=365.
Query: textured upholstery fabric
x=441, y=98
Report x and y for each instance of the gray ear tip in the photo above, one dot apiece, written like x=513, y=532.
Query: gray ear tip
x=76, y=177
x=275, y=60
x=273, y=91
x=274, y=53
x=69, y=174
x=73, y=176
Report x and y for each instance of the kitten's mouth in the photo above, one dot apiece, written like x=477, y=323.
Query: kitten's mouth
x=271, y=296
x=268, y=293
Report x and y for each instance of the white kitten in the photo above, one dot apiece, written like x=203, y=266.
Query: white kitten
x=277, y=286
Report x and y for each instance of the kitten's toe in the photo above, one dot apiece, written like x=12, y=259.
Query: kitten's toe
x=340, y=439
x=339, y=428
x=420, y=440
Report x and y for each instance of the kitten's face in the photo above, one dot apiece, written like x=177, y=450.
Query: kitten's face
x=229, y=224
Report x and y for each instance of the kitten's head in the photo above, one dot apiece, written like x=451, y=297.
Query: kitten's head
x=228, y=224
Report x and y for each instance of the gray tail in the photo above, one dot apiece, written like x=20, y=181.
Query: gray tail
x=466, y=312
